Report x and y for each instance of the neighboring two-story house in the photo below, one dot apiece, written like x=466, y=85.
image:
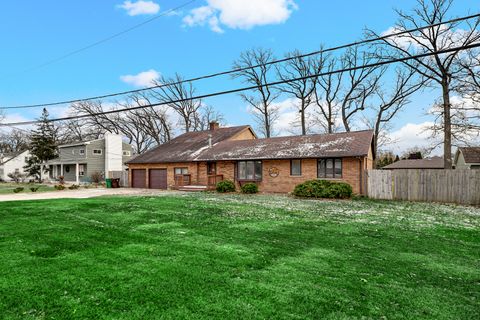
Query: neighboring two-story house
x=78, y=161
x=11, y=163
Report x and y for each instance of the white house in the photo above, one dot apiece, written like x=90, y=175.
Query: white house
x=11, y=163
x=467, y=158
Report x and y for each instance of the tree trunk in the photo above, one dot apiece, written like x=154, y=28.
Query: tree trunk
x=345, y=120
x=447, y=123
x=302, y=118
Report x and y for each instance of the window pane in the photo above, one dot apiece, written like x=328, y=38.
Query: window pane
x=242, y=170
x=321, y=168
x=296, y=169
x=184, y=170
x=258, y=170
x=338, y=168
x=250, y=170
x=329, y=168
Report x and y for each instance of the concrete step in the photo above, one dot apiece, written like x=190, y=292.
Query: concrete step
x=193, y=188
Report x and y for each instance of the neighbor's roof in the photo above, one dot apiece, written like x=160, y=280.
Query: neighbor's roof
x=187, y=147
x=427, y=163
x=471, y=154
x=11, y=156
x=346, y=144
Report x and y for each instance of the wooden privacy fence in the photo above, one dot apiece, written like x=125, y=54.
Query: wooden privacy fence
x=122, y=175
x=455, y=186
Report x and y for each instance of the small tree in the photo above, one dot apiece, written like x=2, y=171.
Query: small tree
x=43, y=145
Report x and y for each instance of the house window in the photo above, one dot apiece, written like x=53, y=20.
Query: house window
x=17, y=170
x=329, y=168
x=97, y=151
x=126, y=153
x=81, y=170
x=179, y=171
x=81, y=152
x=249, y=170
x=296, y=167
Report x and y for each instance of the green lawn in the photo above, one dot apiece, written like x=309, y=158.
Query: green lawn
x=206, y=256
x=7, y=187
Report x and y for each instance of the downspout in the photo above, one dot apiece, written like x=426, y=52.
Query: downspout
x=361, y=174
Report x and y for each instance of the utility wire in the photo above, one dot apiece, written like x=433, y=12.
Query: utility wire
x=113, y=36
x=246, y=68
x=208, y=95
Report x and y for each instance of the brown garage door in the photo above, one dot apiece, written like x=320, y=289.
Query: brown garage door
x=139, y=178
x=158, y=178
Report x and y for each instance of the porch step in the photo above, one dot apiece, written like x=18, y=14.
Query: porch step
x=192, y=188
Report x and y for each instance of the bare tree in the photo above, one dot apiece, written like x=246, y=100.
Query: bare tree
x=440, y=69
x=207, y=115
x=179, y=95
x=13, y=141
x=389, y=102
x=142, y=127
x=302, y=90
x=358, y=85
x=263, y=95
x=327, y=92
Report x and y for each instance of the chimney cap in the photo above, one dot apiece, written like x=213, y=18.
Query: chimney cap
x=214, y=125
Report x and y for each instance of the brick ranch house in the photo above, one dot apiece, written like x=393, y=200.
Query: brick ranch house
x=199, y=160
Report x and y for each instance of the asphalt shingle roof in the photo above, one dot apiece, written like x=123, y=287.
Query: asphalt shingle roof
x=471, y=154
x=194, y=146
x=427, y=163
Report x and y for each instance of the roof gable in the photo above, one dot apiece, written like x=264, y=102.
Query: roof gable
x=188, y=146
x=470, y=154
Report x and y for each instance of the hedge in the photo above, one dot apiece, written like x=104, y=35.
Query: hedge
x=323, y=189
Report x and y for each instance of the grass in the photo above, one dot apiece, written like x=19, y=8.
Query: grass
x=208, y=256
x=7, y=187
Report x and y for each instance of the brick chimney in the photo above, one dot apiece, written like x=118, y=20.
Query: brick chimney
x=214, y=125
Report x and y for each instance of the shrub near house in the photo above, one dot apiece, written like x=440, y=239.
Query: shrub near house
x=323, y=189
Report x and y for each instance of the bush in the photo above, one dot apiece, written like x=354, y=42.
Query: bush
x=34, y=189
x=61, y=180
x=250, y=188
x=323, y=189
x=16, y=177
x=96, y=177
x=59, y=187
x=226, y=186
x=19, y=189
x=74, y=187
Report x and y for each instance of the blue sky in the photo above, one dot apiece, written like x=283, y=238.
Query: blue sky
x=34, y=32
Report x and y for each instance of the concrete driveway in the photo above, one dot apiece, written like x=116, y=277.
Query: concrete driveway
x=83, y=194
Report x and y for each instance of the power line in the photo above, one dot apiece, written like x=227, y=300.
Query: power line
x=245, y=68
x=113, y=36
x=208, y=95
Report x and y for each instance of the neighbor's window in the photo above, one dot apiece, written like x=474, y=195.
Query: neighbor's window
x=126, y=153
x=97, y=151
x=81, y=152
x=249, y=170
x=296, y=167
x=330, y=168
x=81, y=170
x=181, y=171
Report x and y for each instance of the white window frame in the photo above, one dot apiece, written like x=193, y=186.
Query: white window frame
x=97, y=153
x=126, y=153
x=81, y=152
x=81, y=170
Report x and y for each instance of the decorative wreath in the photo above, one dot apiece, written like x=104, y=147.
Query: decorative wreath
x=273, y=172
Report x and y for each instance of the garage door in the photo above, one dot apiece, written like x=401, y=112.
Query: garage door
x=138, y=178
x=158, y=178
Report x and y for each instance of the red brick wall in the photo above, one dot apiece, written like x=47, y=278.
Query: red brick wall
x=285, y=183
x=353, y=172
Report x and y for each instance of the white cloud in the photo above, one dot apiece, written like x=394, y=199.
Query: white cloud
x=412, y=135
x=240, y=14
x=142, y=79
x=140, y=7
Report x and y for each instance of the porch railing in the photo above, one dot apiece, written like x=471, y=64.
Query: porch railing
x=183, y=180
x=214, y=179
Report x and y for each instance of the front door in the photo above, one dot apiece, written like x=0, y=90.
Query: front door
x=211, y=168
